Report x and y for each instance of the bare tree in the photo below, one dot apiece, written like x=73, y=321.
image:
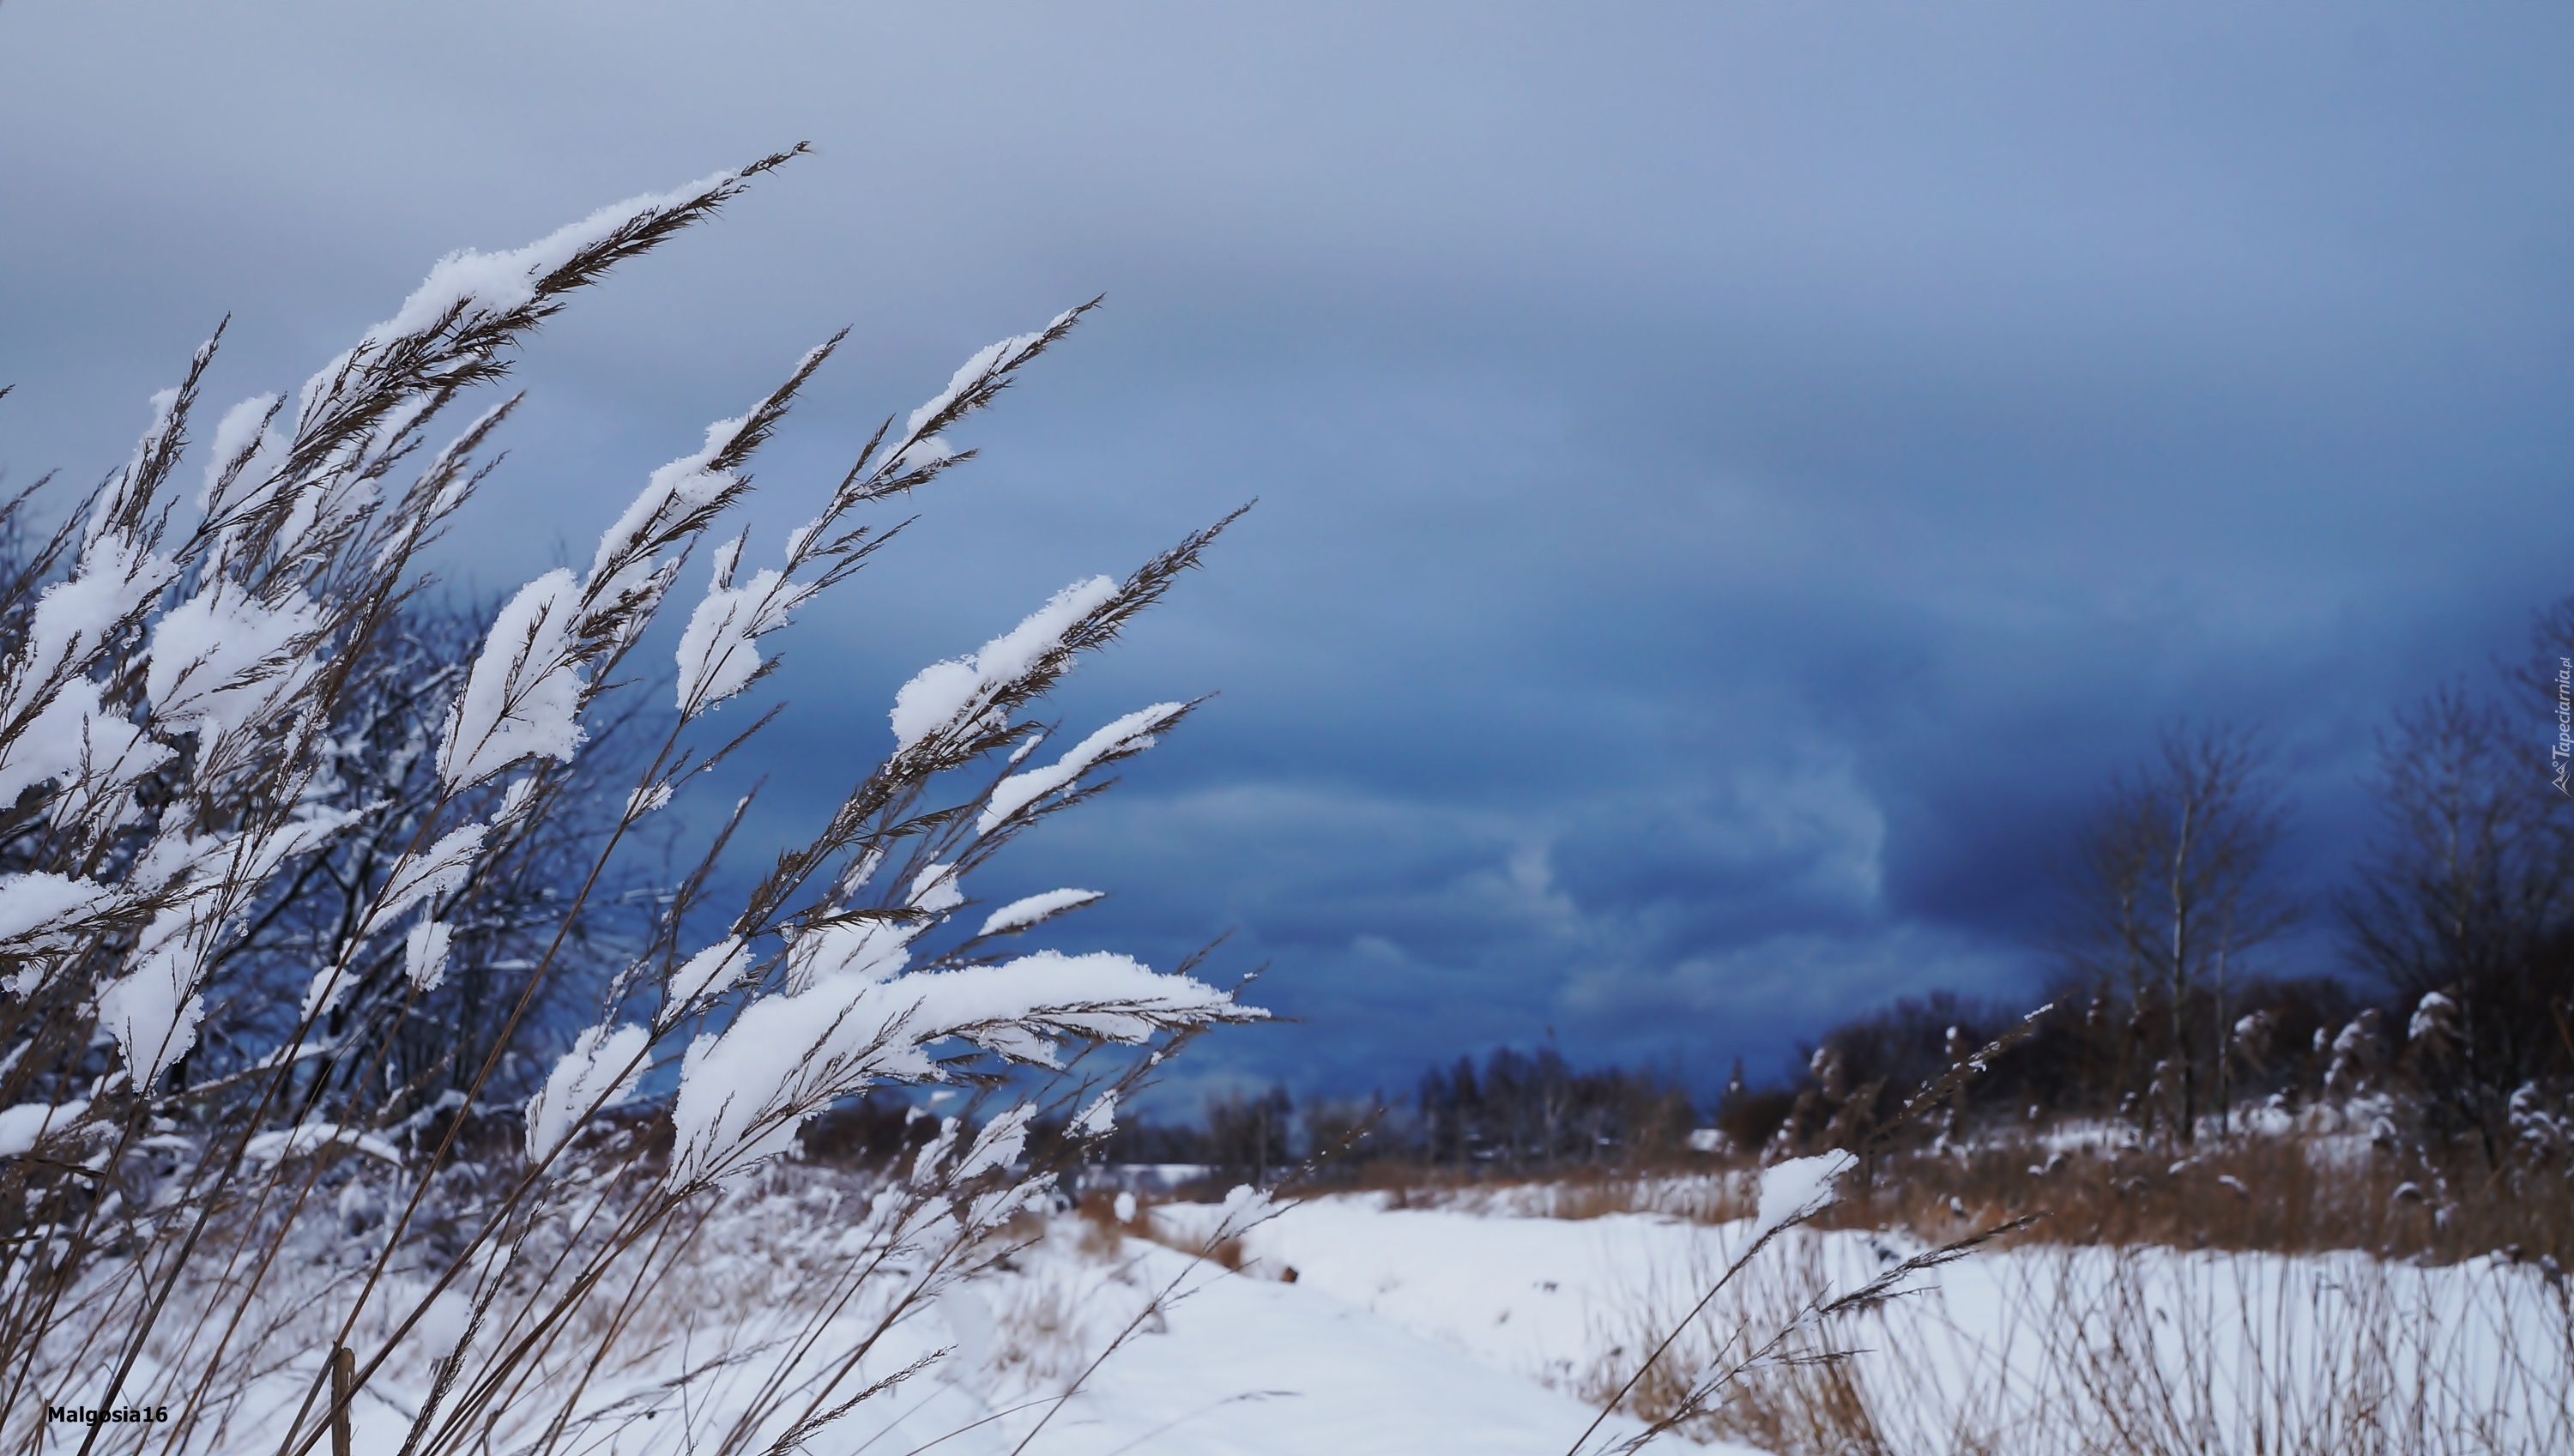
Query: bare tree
x=2463, y=903
x=2174, y=883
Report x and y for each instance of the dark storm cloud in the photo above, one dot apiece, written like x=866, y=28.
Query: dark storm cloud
x=1733, y=479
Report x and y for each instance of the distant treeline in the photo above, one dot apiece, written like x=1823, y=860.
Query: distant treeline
x=2094, y=1055
x=1516, y=1112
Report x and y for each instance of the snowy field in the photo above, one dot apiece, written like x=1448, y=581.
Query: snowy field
x=1353, y=1327
x=2033, y=1349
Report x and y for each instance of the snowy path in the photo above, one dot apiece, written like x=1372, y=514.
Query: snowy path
x=1251, y=1367
x=1543, y=1299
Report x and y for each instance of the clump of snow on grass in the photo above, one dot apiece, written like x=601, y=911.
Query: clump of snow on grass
x=1019, y=914
x=990, y=359
x=1128, y=735
x=118, y=497
x=718, y=653
x=1099, y=1119
x=947, y=692
x=523, y=697
x=1002, y=1142
x=1798, y=1188
x=73, y=735
x=2435, y=1015
x=22, y=1126
x=307, y=1138
x=860, y=951
x=153, y=1009
x=40, y=901
x=872, y=948
x=670, y=495
x=710, y=970
x=745, y=1090
x=241, y=430
x=498, y=281
x=600, y=1070
x=425, y=954
x=433, y=871
x=220, y=658
x=935, y=890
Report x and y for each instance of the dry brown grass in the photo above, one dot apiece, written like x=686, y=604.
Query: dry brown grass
x=1102, y=1232
x=1700, y=1191
x=2055, y=1348
x=2270, y=1195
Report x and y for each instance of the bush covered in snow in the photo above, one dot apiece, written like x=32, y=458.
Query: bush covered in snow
x=214, y=696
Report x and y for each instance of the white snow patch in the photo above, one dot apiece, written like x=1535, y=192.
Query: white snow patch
x=960, y=688
x=595, y=1071
x=36, y=901
x=1019, y=914
x=311, y=1137
x=425, y=954
x=1798, y=1188
x=222, y=659
x=1128, y=735
x=23, y=1126
x=498, y=281
x=710, y=970
x=523, y=697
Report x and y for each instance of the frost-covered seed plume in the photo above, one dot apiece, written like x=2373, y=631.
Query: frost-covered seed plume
x=301, y=889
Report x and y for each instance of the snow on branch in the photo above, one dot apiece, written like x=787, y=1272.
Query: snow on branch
x=602, y=1069
x=743, y=1091
x=1130, y=734
x=960, y=690
x=524, y=695
x=1035, y=909
x=472, y=282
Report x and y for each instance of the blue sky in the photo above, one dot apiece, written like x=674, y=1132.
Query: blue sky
x=1735, y=478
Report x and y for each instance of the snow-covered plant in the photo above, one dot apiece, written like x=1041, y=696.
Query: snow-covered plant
x=1795, y=1192
x=206, y=706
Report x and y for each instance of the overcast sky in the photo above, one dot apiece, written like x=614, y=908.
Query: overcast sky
x=1735, y=479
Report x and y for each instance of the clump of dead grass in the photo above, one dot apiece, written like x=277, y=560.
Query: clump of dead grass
x=2044, y=1348
x=2270, y=1193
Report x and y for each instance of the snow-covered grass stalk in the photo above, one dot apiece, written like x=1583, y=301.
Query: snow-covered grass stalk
x=2091, y=1349
x=181, y=672
x=2050, y=1348
x=1684, y=1378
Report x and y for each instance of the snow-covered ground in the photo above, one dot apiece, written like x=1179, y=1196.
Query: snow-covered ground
x=1544, y=1299
x=1245, y=1366
x=2033, y=1349
x=1219, y=1364
x=1474, y=1328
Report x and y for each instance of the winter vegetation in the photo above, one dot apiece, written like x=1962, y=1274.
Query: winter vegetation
x=297, y=863
x=364, y=1082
